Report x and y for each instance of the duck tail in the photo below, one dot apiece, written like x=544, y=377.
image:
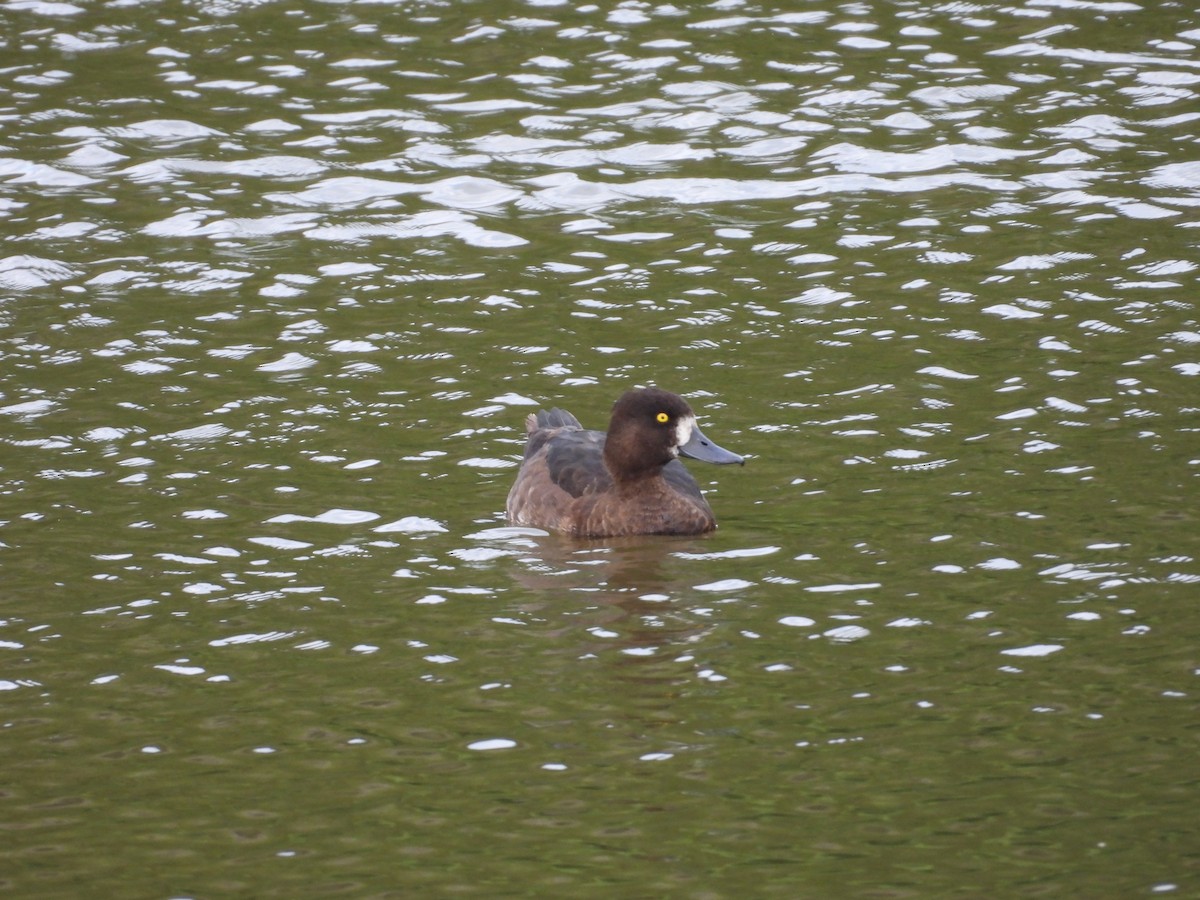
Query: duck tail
x=551, y=418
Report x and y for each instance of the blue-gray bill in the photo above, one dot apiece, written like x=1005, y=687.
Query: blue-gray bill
x=701, y=448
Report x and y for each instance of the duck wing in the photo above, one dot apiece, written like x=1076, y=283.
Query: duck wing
x=563, y=461
x=562, y=453
x=575, y=462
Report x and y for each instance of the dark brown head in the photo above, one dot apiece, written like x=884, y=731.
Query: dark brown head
x=649, y=428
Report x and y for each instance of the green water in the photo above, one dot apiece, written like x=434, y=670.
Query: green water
x=280, y=282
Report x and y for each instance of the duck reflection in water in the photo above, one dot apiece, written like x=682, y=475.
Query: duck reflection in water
x=627, y=481
x=640, y=591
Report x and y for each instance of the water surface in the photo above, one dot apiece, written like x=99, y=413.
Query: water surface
x=281, y=282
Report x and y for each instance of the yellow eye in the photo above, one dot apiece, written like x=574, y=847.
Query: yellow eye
x=663, y=418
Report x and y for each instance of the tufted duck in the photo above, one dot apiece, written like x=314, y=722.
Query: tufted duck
x=628, y=481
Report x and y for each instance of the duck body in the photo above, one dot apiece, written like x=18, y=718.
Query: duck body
x=624, y=482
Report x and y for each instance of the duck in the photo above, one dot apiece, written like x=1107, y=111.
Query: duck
x=628, y=481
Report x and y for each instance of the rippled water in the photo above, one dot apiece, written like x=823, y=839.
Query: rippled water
x=280, y=283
